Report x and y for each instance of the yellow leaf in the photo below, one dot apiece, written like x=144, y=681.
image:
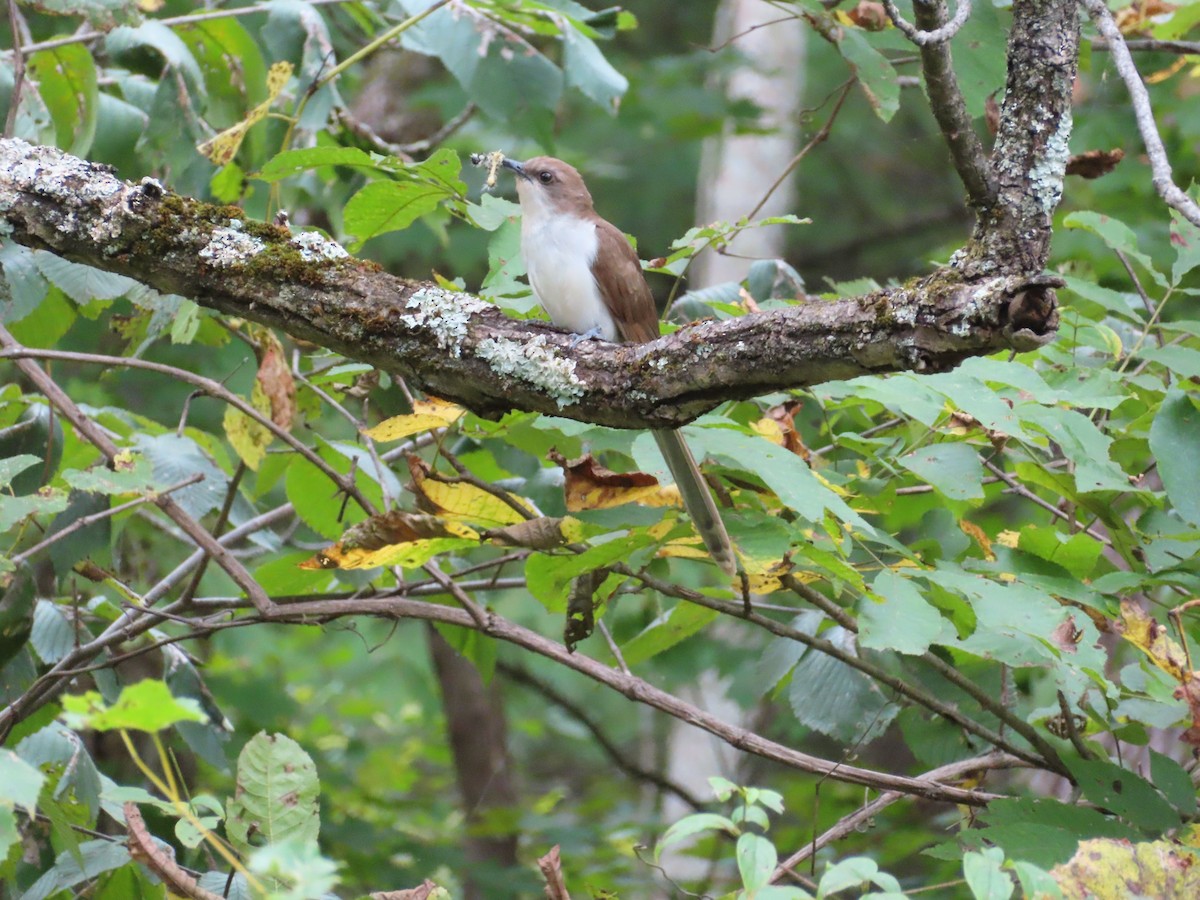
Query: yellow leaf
x=770, y=429
x=223, y=147
x=248, y=437
x=971, y=530
x=426, y=416
x=471, y=503
x=1009, y=539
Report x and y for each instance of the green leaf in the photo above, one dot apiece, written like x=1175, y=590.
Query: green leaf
x=1117, y=235
x=829, y=696
x=52, y=636
x=13, y=466
x=276, y=799
x=1174, y=437
x=894, y=616
x=985, y=876
x=95, y=857
x=1173, y=780
x=1082, y=443
x=1124, y=793
x=756, y=859
x=952, y=467
x=293, y=162
x=694, y=824
x=384, y=206
x=82, y=283
x=67, y=81
x=22, y=286
x=20, y=784
x=588, y=70
x=848, y=873
x=681, y=622
x=1077, y=553
x=875, y=74
x=783, y=471
x=549, y=576
x=145, y=706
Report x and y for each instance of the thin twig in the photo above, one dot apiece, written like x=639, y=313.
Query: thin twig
x=940, y=34
x=16, y=24
x=1160, y=166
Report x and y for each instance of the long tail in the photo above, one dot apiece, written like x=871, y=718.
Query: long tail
x=697, y=499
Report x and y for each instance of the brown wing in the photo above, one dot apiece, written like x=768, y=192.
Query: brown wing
x=623, y=287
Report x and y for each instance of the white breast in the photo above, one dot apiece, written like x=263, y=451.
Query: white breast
x=559, y=251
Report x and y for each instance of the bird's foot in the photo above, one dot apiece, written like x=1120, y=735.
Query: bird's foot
x=592, y=334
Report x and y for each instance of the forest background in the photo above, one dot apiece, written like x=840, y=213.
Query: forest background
x=337, y=580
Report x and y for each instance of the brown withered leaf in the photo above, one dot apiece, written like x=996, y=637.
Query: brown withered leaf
x=991, y=114
x=581, y=607
x=274, y=377
x=590, y=485
x=784, y=416
x=542, y=533
x=869, y=16
x=1094, y=163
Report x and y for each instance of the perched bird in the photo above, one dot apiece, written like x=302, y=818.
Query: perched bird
x=587, y=277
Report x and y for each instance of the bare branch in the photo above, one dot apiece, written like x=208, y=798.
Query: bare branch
x=1160, y=166
x=941, y=33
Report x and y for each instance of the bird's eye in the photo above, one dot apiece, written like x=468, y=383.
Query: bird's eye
x=545, y=177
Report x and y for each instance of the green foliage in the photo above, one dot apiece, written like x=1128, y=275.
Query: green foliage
x=1001, y=554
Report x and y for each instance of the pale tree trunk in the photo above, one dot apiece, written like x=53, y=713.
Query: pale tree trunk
x=737, y=170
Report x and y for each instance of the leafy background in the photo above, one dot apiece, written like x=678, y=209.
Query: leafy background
x=1024, y=521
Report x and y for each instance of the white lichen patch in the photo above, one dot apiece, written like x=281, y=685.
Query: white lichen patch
x=230, y=246
x=535, y=363
x=314, y=246
x=444, y=313
x=1048, y=169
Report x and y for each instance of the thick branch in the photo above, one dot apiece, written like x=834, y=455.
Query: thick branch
x=461, y=348
x=1030, y=154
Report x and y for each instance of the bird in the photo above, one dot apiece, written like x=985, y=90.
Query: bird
x=587, y=277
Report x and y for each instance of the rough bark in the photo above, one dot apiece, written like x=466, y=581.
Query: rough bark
x=456, y=346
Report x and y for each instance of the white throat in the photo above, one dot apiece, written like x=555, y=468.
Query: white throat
x=559, y=249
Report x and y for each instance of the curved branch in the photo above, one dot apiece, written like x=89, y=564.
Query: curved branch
x=940, y=33
x=459, y=347
x=1160, y=166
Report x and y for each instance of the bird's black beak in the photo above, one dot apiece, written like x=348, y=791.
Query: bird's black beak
x=517, y=167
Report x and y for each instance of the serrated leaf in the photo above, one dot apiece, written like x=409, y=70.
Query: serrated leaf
x=82, y=283
x=830, y=697
x=22, y=286
x=277, y=792
x=94, y=858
